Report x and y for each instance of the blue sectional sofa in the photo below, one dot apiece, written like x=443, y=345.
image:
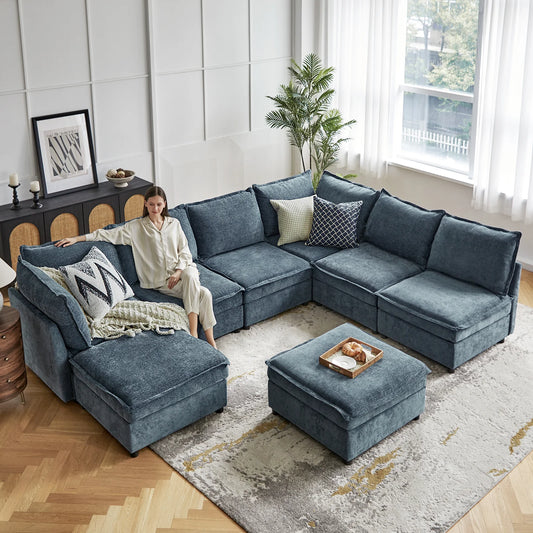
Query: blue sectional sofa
x=444, y=286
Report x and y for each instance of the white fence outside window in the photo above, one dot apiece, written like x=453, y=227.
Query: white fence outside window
x=445, y=143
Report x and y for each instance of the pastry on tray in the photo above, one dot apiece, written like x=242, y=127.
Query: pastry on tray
x=355, y=350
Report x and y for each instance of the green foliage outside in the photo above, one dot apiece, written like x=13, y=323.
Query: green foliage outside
x=448, y=56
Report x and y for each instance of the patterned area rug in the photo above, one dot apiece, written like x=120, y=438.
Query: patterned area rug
x=271, y=477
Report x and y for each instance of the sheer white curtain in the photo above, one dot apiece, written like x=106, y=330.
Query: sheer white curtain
x=360, y=39
x=503, y=159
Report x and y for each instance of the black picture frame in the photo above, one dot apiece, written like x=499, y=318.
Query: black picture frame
x=65, y=152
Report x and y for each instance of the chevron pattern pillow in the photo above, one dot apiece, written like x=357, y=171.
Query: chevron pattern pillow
x=334, y=225
x=96, y=283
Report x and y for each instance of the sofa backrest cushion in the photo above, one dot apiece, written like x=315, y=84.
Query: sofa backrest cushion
x=125, y=255
x=402, y=228
x=226, y=223
x=54, y=257
x=291, y=188
x=55, y=302
x=180, y=213
x=476, y=253
x=339, y=190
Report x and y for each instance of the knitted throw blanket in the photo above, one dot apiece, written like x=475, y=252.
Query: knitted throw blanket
x=132, y=316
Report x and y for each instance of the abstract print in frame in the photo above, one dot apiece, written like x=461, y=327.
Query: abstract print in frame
x=65, y=152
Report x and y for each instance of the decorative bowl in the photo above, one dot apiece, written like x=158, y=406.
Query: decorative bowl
x=120, y=177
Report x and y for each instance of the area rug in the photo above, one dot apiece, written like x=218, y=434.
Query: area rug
x=270, y=477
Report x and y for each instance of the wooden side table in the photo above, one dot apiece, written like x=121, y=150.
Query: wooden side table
x=12, y=368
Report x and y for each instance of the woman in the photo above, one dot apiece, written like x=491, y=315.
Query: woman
x=162, y=258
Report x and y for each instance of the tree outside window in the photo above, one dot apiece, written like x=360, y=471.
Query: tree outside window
x=439, y=80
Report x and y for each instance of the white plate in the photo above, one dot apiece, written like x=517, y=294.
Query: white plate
x=344, y=361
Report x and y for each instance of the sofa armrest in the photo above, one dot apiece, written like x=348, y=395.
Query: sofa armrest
x=513, y=293
x=515, y=281
x=44, y=349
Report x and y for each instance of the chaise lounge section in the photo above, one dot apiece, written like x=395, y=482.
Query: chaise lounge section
x=139, y=388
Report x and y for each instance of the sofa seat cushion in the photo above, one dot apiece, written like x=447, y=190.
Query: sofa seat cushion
x=444, y=306
x=402, y=228
x=347, y=402
x=339, y=190
x=475, y=253
x=261, y=269
x=284, y=189
x=309, y=253
x=226, y=223
x=144, y=374
x=226, y=293
x=362, y=272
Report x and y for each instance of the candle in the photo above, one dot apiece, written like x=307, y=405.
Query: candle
x=34, y=186
x=13, y=180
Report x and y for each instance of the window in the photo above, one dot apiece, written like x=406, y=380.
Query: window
x=439, y=80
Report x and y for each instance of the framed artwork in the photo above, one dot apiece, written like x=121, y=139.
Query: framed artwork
x=65, y=152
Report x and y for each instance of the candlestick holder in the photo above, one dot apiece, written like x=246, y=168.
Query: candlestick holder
x=36, y=203
x=16, y=201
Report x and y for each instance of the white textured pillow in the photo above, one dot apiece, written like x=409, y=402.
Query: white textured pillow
x=295, y=218
x=96, y=283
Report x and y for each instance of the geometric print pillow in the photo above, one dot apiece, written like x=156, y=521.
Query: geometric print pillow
x=96, y=283
x=294, y=219
x=334, y=224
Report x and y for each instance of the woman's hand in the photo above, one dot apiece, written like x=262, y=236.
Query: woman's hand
x=173, y=280
x=68, y=241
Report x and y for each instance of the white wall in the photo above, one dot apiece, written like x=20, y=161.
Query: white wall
x=175, y=88
x=212, y=71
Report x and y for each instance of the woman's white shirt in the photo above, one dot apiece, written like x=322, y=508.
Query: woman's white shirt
x=157, y=253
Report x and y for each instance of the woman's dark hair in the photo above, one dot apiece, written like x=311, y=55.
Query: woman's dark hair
x=152, y=191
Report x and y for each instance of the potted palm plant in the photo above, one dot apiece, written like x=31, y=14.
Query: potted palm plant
x=303, y=108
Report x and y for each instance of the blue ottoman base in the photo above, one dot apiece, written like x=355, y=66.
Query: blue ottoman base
x=348, y=416
x=347, y=443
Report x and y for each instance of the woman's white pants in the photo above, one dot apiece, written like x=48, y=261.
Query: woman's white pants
x=196, y=298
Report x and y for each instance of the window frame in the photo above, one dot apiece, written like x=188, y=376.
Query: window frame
x=404, y=160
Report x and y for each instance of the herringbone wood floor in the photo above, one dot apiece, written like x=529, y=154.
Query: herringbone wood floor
x=61, y=472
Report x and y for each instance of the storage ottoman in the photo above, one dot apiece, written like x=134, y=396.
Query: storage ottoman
x=346, y=415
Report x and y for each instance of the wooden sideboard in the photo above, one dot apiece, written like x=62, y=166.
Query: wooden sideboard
x=12, y=368
x=68, y=215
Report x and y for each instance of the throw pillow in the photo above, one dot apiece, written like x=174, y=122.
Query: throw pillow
x=295, y=218
x=96, y=283
x=334, y=225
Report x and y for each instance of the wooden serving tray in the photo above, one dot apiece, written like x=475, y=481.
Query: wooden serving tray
x=373, y=355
